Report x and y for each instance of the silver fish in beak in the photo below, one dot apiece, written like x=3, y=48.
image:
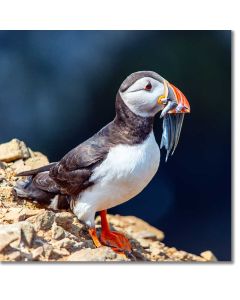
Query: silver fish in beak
x=175, y=105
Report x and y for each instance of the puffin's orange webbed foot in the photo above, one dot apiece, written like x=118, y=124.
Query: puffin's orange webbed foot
x=116, y=240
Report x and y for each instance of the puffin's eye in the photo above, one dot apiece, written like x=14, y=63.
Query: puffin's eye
x=148, y=87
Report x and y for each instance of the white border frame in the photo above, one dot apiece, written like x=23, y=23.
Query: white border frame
x=118, y=281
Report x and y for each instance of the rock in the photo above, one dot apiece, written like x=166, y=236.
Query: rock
x=28, y=233
x=2, y=165
x=13, y=150
x=144, y=234
x=57, y=232
x=65, y=243
x=179, y=255
x=36, y=161
x=43, y=221
x=156, y=248
x=37, y=252
x=14, y=256
x=97, y=254
x=12, y=215
x=15, y=214
x=27, y=213
x=144, y=243
x=6, y=193
x=64, y=219
x=61, y=252
x=136, y=227
x=15, y=233
x=47, y=250
x=19, y=166
x=208, y=255
x=8, y=234
x=170, y=251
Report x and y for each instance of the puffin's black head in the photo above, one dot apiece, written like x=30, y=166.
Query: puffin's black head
x=146, y=93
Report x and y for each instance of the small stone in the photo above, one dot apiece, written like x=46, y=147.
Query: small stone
x=97, y=254
x=6, y=193
x=61, y=252
x=19, y=166
x=64, y=219
x=171, y=250
x=136, y=227
x=14, y=256
x=13, y=150
x=88, y=244
x=8, y=235
x=208, y=255
x=144, y=243
x=145, y=235
x=179, y=255
x=12, y=215
x=155, y=250
x=2, y=165
x=28, y=232
x=37, y=252
x=27, y=213
x=47, y=249
x=36, y=161
x=43, y=221
x=57, y=232
x=65, y=243
x=193, y=257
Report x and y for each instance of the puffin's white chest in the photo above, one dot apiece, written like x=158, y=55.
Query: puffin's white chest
x=122, y=175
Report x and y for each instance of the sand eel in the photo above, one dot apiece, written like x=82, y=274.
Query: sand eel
x=116, y=163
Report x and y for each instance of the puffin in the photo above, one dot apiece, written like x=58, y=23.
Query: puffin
x=116, y=163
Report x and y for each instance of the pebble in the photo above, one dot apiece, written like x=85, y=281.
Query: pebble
x=64, y=219
x=58, y=232
x=97, y=254
x=28, y=232
x=9, y=234
x=14, y=256
x=47, y=250
x=65, y=243
x=36, y=253
x=43, y=221
x=209, y=256
x=61, y=252
x=13, y=150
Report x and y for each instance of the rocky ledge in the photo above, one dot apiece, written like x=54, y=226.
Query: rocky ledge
x=30, y=232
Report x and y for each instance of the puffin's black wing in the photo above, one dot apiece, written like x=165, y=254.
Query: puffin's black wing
x=44, y=182
x=73, y=171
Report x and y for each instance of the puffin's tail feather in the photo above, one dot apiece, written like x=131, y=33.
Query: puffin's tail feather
x=38, y=170
x=29, y=189
x=38, y=186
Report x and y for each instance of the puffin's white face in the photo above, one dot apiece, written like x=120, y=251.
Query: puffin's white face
x=142, y=96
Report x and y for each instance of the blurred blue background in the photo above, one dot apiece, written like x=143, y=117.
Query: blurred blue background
x=57, y=88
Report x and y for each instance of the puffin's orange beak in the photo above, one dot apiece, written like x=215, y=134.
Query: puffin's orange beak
x=173, y=100
x=183, y=104
x=175, y=105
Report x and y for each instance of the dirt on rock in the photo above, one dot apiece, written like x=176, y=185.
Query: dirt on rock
x=32, y=232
